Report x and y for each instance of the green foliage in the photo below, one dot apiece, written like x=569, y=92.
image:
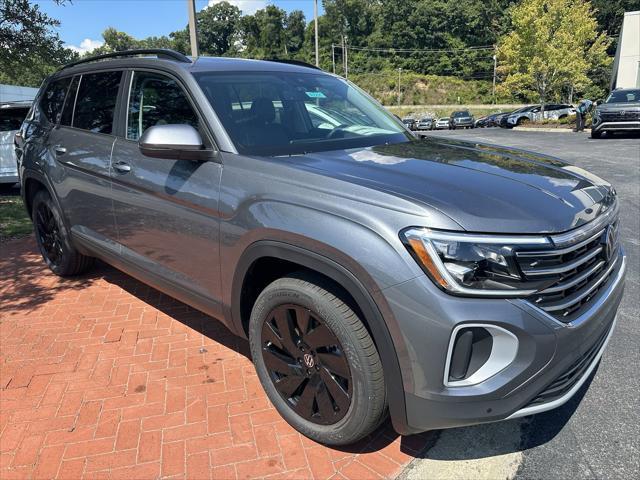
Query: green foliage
x=14, y=221
x=553, y=47
x=30, y=49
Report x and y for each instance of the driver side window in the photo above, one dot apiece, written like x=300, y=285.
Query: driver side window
x=156, y=99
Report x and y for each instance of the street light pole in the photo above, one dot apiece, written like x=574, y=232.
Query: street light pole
x=193, y=29
x=333, y=57
x=495, y=66
x=399, y=73
x=315, y=20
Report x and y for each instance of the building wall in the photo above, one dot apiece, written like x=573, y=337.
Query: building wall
x=626, y=68
x=13, y=93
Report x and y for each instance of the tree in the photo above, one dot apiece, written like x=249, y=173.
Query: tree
x=30, y=49
x=553, y=46
x=609, y=13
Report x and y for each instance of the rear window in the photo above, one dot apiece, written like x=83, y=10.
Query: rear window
x=11, y=118
x=96, y=101
x=53, y=98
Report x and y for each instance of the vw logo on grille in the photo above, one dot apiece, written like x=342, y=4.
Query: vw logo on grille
x=308, y=360
x=609, y=241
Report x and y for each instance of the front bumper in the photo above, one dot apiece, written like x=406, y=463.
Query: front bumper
x=619, y=126
x=548, y=351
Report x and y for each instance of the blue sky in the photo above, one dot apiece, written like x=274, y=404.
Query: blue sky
x=83, y=21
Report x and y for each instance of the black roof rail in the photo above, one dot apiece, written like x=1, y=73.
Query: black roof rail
x=300, y=63
x=159, y=52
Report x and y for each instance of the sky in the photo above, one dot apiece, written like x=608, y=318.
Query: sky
x=83, y=21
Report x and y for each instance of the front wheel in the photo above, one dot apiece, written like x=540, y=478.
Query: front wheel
x=316, y=360
x=53, y=239
x=596, y=133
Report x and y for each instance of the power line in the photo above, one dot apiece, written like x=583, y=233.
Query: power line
x=421, y=50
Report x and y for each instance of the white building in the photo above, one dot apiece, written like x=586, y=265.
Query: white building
x=626, y=66
x=13, y=93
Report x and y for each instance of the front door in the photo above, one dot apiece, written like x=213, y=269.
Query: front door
x=167, y=210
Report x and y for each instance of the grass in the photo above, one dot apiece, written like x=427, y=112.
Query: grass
x=14, y=221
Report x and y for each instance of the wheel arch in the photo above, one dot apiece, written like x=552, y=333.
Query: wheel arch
x=369, y=307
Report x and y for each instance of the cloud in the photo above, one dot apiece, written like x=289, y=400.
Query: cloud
x=86, y=45
x=248, y=7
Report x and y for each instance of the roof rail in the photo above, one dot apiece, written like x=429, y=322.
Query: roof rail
x=300, y=63
x=159, y=52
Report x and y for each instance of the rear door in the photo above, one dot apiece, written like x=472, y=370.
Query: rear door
x=82, y=144
x=167, y=210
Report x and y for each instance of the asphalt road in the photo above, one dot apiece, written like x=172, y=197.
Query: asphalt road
x=596, y=435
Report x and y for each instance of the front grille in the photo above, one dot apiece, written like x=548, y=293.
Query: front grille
x=565, y=382
x=571, y=276
x=619, y=116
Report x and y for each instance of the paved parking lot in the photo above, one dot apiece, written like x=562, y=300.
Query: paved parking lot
x=105, y=377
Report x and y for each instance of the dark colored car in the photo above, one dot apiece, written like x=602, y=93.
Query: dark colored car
x=462, y=119
x=492, y=120
x=410, y=122
x=448, y=283
x=619, y=113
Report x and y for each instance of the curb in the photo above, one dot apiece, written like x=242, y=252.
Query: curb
x=549, y=130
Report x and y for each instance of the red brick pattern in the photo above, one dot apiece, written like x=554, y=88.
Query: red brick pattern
x=104, y=377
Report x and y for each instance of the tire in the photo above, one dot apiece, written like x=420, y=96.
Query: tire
x=348, y=367
x=596, y=134
x=53, y=239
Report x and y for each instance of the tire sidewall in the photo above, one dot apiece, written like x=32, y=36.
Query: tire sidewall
x=282, y=292
x=43, y=197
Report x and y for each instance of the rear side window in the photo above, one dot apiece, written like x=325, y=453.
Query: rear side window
x=53, y=98
x=156, y=99
x=69, y=103
x=11, y=118
x=96, y=101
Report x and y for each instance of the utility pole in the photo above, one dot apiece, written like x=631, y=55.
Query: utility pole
x=315, y=20
x=344, y=63
x=193, y=28
x=333, y=57
x=399, y=73
x=495, y=67
x=346, y=57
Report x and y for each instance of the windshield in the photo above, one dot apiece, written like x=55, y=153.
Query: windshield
x=624, y=96
x=286, y=113
x=461, y=114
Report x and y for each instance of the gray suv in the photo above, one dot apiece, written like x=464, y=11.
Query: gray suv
x=444, y=282
x=619, y=113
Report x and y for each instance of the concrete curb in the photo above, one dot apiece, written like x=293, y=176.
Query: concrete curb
x=549, y=130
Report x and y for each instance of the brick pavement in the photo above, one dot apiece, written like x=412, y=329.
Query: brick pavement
x=104, y=377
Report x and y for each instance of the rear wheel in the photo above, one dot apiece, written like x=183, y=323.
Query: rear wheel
x=53, y=239
x=316, y=360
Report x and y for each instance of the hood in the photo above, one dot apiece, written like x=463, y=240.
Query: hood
x=481, y=187
x=614, y=107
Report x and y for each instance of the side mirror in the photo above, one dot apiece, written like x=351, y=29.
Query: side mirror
x=173, y=142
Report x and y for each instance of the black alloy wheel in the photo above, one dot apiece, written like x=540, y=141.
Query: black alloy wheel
x=49, y=234
x=307, y=364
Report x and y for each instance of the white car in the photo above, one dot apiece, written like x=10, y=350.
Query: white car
x=552, y=111
x=11, y=117
x=443, y=123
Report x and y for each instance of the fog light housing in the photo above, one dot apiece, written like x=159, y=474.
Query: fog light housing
x=477, y=352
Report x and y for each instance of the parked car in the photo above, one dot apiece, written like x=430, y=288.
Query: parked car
x=410, y=122
x=552, y=111
x=503, y=120
x=11, y=117
x=443, y=123
x=425, y=123
x=619, y=113
x=488, y=121
x=368, y=269
x=462, y=119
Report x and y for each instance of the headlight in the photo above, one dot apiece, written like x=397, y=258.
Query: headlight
x=471, y=265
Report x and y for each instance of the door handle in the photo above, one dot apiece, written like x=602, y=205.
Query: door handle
x=59, y=150
x=122, y=167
